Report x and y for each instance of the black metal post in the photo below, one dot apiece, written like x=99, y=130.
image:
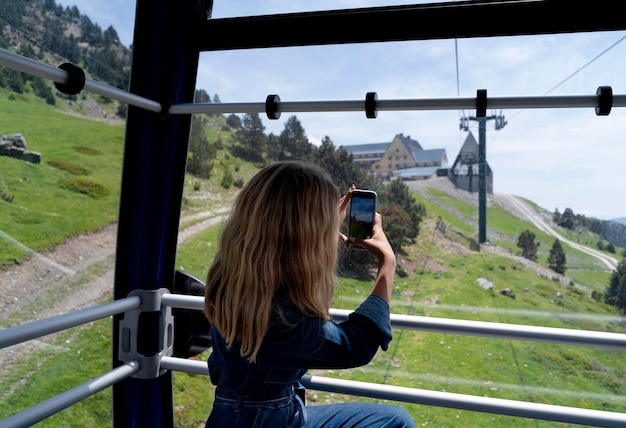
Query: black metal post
x=482, y=181
x=482, y=167
x=164, y=69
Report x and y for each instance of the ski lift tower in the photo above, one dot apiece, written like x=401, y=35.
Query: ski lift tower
x=482, y=119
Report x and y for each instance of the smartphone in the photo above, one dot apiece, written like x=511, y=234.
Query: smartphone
x=362, y=212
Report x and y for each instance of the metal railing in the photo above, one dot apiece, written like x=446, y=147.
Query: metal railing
x=18, y=334
x=36, y=329
x=447, y=399
x=602, y=102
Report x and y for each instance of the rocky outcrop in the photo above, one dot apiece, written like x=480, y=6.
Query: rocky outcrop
x=14, y=145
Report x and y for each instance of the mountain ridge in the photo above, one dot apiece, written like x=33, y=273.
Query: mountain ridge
x=49, y=33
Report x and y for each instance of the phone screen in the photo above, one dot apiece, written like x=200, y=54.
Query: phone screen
x=362, y=212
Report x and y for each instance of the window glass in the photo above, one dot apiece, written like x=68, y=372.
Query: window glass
x=554, y=210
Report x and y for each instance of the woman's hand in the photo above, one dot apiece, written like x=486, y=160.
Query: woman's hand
x=378, y=244
x=343, y=208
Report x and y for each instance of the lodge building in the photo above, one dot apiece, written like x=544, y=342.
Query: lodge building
x=406, y=159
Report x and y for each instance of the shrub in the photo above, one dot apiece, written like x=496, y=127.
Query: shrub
x=609, y=381
x=87, y=187
x=553, y=361
x=227, y=179
x=70, y=167
x=5, y=196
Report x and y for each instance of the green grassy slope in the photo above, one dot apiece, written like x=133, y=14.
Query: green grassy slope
x=75, y=188
x=442, y=271
x=442, y=282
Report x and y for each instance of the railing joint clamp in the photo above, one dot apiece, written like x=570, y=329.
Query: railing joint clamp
x=129, y=347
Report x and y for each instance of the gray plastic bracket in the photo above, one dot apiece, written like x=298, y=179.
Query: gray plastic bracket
x=150, y=366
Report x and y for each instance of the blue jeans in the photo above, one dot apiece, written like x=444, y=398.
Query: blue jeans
x=361, y=415
x=288, y=412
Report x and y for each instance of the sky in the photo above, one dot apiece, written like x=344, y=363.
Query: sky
x=557, y=158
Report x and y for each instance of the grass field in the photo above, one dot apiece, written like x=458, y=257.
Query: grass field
x=542, y=373
x=439, y=283
x=75, y=188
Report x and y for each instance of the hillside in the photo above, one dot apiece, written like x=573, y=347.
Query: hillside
x=507, y=217
x=442, y=278
x=528, y=213
x=47, y=32
x=57, y=248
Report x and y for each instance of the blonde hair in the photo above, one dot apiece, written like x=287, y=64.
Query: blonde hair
x=281, y=237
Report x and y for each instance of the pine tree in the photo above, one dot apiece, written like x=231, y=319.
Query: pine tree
x=615, y=294
x=199, y=163
x=294, y=142
x=568, y=219
x=339, y=164
x=273, y=148
x=250, y=139
x=526, y=242
x=556, y=217
x=556, y=259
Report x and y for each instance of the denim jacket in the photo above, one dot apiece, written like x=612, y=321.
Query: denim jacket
x=262, y=393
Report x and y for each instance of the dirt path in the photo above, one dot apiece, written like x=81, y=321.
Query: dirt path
x=77, y=274
x=609, y=262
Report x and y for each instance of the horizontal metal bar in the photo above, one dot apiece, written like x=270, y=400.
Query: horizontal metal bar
x=62, y=401
x=37, y=68
x=32, y=330
x=565, y=101
x=123, y=96
x=467, y=402
x=466, y=327
x=31, y=66
x=501, y=330
x=435, y=398
x=570, y=101
x=183, y=365
x=55, y=74
x=183, y=301
x=429, y=21
x=195, y=108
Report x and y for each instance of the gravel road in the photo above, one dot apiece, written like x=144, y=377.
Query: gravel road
x=76, y=274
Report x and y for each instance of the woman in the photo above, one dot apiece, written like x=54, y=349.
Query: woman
x=268, y=296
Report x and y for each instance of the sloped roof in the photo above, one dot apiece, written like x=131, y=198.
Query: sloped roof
x=410, y=144
x=430, y=155
x=468, y=152
x=381, y=148
x=375, y=151
x=470, y=146
x=468, y=155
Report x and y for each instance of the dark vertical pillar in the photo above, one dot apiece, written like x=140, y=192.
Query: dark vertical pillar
x=164, y=68
x=482, y=181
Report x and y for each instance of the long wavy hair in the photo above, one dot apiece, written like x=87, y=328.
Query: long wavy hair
x=280, y=237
